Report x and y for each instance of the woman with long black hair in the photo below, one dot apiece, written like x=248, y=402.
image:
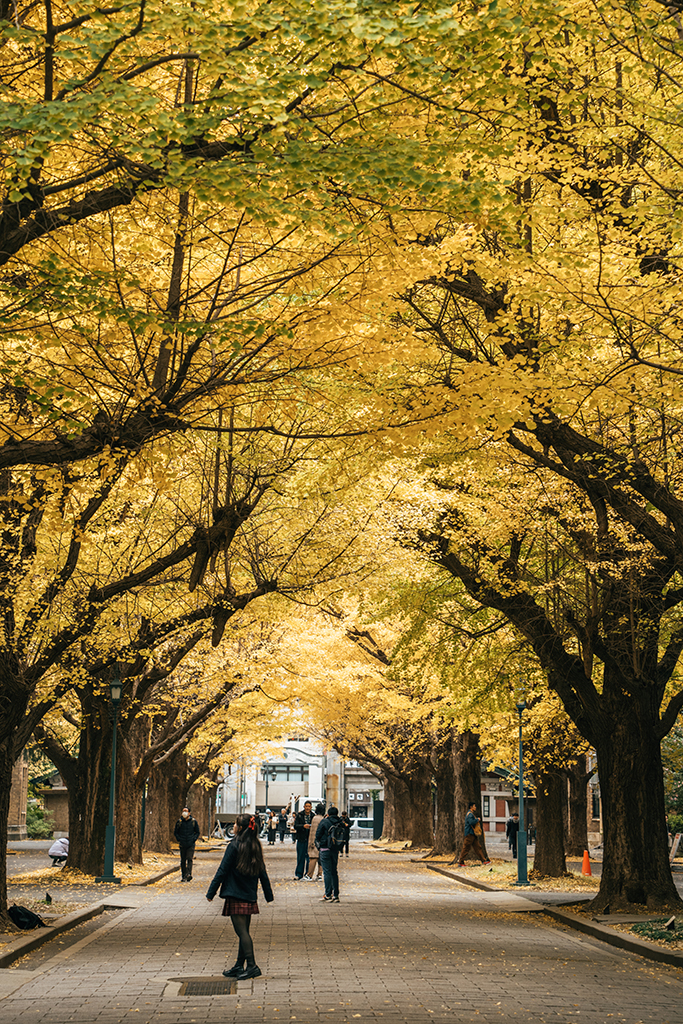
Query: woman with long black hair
x=238, y=876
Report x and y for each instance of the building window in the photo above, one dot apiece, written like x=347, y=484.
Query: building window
x=290, y=773
x=486, y=806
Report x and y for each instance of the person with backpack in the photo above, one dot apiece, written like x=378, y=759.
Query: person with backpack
x=330, y=837
x=238, y=876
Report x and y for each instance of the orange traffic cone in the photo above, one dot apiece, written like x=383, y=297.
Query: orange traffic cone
x=586, y=866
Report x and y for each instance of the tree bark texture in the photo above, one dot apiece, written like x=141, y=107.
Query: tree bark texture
x=444, y=778
x=408, y=808
x=7, y=759
x=166, y=795
x=550, y=802
x=467, y=770
x=636, y=867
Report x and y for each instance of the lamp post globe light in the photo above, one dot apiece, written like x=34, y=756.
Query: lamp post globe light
x=110, y=834
x=521, y=835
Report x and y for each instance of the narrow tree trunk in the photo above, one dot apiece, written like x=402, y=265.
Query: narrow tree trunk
x=467, y=771
x=635, y=866
x=549, y=857
x=577, y=834
x=444, y=777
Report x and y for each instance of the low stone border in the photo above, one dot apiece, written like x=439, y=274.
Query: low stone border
x=465, y=879
x=154, y=878
x=38, y=936
x=607, y=934
x=579, y=923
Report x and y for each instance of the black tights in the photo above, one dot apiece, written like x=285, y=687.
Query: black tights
x=240, y=923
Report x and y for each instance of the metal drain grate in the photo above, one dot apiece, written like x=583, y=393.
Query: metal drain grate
x=208, y=987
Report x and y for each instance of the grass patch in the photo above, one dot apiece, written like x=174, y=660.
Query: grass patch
x=656, y=932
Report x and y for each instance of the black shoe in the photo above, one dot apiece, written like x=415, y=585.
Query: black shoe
x=189, y=878
x=234, y=972
x=250, y=972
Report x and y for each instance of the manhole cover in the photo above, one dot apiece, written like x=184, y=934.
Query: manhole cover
x=208, y=987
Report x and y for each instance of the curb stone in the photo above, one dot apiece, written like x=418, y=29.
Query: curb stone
x=27, y=943
x=607, y=934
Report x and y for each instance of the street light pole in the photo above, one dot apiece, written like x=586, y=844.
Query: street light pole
x=110, y=834
x=521, y=835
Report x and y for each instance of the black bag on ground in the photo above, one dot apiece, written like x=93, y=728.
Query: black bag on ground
x=24, y=918
x=336, y=836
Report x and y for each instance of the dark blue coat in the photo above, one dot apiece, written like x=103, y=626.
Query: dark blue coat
x=233, y=883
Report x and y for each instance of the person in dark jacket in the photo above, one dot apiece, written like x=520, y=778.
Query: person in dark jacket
x=186, y=832
x=329, y=855
x=511, y=830
x=302, y=826
x=238, y=876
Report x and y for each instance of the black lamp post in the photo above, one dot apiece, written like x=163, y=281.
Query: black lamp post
x=521, y=835
x=110, y=834
x=268, y=770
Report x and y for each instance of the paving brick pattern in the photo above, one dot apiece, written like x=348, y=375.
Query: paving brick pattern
x=404, y=946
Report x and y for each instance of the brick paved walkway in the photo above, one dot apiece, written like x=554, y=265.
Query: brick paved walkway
x=404, y=946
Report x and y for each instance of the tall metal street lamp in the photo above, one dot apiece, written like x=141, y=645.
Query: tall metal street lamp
x=110, y=834
x=521, y=835
x=268, y=772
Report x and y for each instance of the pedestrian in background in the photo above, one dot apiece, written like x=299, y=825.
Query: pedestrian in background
x=238, y=876
x=511, y=830
x=331, y=836
x=313, y=852
x=347, y=821
x=282, y=824
x=302, y=827
x=186, y=832
x=272, y=827
x=472, y=832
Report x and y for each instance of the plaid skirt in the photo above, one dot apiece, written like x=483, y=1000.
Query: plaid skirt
x=232, y=906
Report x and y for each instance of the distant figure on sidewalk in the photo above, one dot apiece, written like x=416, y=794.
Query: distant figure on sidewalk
x=511, y=830
x=302, y=828
x=347, y=821
x=59, y=851
x=472, y=833
x=282, y=824
x=331, y=836
x=313, y=852
x=186, y=832
x=238, y=876
x=272, y=827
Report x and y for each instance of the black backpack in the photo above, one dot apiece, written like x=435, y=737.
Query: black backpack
x=336, y=836
x=24, y=918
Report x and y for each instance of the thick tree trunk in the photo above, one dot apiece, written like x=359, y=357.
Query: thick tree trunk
x=408, y=808
x=87, y=780
x=577, y=832
x=130, y=784
x=444, y=777
x=199, y=798
x=550, y=801
x=166, y=794
x=635, y=867
x=467, y=770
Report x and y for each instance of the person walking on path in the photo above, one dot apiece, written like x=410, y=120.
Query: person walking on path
x=347, y=821
x=282, y=824
x=472, y=833
x=511, y=830
x=238, y=876
x=330, y=837
x=186, y=832
x=272, y=827
x=313, y=861
x=302, y=828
